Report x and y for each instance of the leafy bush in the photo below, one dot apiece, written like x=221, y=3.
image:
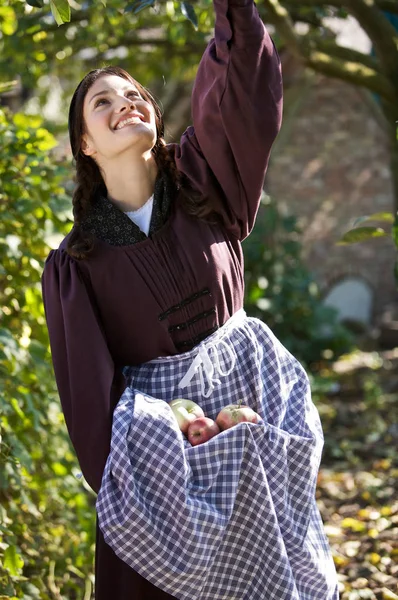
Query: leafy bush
x=281, y=291
x=46, y=516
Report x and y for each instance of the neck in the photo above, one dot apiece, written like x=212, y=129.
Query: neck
x=130, y=183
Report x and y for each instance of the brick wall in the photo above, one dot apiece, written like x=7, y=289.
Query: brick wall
x=329, y=166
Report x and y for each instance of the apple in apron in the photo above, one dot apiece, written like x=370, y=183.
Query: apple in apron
x=201, y=430
x=185, y=412
x=236, y=413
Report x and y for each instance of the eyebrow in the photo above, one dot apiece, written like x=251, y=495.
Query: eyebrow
x=109, y=91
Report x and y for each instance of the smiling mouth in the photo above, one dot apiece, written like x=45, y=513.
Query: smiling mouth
x=129, y=121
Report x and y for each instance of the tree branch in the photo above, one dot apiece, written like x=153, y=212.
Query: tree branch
x=330, y=47
x=351, y=66
x=390, y=6
x=33, y=18
x=382, y=33
x=279, y=17
x=352, y=72
x=310, y=19
x=186, y=50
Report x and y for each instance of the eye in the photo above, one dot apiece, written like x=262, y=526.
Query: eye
x=100, y=101
x=132, y=94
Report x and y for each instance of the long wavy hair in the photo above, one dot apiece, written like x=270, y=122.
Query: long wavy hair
x=88, y=175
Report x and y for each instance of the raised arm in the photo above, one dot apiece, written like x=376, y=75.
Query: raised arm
x=88, y=384
x=236, y=109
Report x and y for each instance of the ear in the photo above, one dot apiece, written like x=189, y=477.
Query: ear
x=86, y=147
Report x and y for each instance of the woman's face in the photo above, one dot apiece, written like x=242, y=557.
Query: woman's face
x=117, y=119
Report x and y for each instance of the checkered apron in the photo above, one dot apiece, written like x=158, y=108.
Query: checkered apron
x=234, y=518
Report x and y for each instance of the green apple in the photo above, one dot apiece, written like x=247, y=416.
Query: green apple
x=185, y=411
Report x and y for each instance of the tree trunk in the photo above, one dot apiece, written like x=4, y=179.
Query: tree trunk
x=394, y=171
x=391, y=114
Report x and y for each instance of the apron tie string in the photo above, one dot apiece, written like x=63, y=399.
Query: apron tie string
x=207, y=363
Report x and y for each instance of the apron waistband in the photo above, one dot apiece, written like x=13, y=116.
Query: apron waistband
x=204, y=359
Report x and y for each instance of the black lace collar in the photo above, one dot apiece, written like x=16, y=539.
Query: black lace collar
x=108, y=223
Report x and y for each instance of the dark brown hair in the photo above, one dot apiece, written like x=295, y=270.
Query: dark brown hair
x=88, y=176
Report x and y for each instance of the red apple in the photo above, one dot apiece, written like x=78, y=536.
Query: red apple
x=236, y=413
x=201, y=430
x=185, y=411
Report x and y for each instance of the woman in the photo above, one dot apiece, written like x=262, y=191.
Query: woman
x=144, y=304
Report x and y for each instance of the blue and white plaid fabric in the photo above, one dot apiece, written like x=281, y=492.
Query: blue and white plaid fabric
x=234, y=518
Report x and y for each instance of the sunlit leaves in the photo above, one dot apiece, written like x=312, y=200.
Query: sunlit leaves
x=62, y=13
x=8, y=20
x=12, y=561
x=45, y=514
x=386, y=217
x=365, y=232
x=154, y=44
x=361, y=234
x=7, y=86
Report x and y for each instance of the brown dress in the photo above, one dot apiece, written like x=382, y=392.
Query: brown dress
x=137, y=297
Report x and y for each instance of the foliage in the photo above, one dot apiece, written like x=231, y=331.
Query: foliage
x=281, y=291
x=363, y=233
x=153, y=44
x=46, y=518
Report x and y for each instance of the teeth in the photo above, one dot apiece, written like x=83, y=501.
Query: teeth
x=127, y=121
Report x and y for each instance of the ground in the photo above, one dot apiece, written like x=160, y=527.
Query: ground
x=357, y=487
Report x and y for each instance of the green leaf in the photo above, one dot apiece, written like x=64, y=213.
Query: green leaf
x=136, y=7
x=60, y=10
x=386, y=217
x=7, y=342
x=17, y=408
x=189, y=12
x=143, y=5
x=59, y=469
x=13, y=561
x=361, y=234
x=35, y=3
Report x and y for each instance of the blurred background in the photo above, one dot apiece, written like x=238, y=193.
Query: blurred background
x=320, y=262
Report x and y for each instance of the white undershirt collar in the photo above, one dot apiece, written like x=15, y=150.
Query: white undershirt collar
x=142, y=216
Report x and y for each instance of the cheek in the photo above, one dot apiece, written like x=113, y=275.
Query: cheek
x=97, y=122
x=151, y=111
x=154, y=123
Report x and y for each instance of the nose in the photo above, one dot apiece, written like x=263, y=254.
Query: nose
x=124, y=103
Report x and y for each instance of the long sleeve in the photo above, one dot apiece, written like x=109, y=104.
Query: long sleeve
x=236, y=110
x=87, y=381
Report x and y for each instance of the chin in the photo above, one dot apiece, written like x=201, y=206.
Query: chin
x=141, y=140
